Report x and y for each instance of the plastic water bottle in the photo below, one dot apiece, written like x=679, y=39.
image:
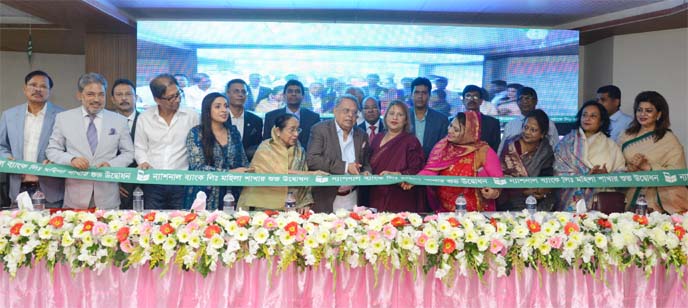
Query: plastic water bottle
x=38, y=200
x=228, y=203
x=460, y=205
x=290, y=202
x=531, y=205
x=641, y=205
x=138, y=199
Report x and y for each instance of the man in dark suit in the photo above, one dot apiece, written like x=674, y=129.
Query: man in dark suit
x=250, y=126
x=372, y=125
x=256, y=92
x=338, y=147
x=124, y=99
x=293, y=94
x=490, y=130
x=429, y=125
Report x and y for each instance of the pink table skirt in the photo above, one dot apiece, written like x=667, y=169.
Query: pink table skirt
x=247, y=285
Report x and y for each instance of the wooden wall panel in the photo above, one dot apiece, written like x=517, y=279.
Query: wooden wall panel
x=111, y=55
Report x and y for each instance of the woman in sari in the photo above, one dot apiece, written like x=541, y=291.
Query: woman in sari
x=648, y=144
x=281, y=154
x=586, y=150
x=462, y=153
x=397, y=151
x=528, y=155
x=215, y=145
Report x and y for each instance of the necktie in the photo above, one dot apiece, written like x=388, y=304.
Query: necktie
x=372, y=132
x=92, y=134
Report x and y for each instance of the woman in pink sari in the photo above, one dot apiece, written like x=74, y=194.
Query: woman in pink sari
x=462, y=153
x=397, y=152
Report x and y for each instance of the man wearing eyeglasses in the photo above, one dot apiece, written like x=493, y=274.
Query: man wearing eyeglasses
x=249, y=125
x=293, y=94
x=124, y=98
x=24, y=133
x=160, y=141
x=339, y=147
x=527, y=100
x=490, y=131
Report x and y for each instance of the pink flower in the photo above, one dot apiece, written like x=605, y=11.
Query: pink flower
x=389, y=231
x=269, y=223
x=126, y=246
x=370, y=216
x=676, y=219
x=339, y=224
x=373, y=235
x=99, y=228
x=212, y=217
x=99, y=213
x=192, y=226
x=555, y=242
x=129, y=215
x=496, y=246
x=177, y=213
x=145, y=229
x=301, y=234
x=421, y=240
x=358, y=209
x=404, y=215
x=430, y=218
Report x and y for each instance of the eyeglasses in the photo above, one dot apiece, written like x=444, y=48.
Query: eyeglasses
x=294, y=130
x=173, y=97
x=348, y=111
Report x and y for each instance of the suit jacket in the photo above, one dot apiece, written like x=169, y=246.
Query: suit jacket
x=68, y=141
x=380, y=127
x=490, y=131
x=127, y=203
x=253, y=133
x=12, y=144
x=253, y=99
x=325, y=154
x=307, y=120
x=436, y=125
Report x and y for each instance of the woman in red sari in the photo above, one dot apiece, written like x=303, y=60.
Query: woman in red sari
x=397, y=152
x=462, y=153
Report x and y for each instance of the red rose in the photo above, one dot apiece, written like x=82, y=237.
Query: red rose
x=166, y=229
x=454, y=222
x=533, y=226
x=15, y=229
x=640, y=219
x=211, y=230
x=448, y=245
x=88, y=226
x=355, y=216
x=243, y=221
x=292, y=228
x=190, y=217
x=150, y=216
x=571, y=227
x=57, y=222
x=123, y=234
x=493, y=222
x=306, y=215
x=680, y=232
x=398, y=222
x=604, y=223
x=271, y=212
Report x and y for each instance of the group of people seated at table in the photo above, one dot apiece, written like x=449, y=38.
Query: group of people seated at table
x=406, y=141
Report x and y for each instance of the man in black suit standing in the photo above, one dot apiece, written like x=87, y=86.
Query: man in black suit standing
x=250, y=126
x=124, y=100
x=490, y=130
x=372, y=125
x=293, y=94
x=256, y=92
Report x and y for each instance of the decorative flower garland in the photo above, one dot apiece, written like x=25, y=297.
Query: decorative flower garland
x=450, y=244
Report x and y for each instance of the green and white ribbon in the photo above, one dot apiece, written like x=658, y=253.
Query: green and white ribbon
x=202, y=178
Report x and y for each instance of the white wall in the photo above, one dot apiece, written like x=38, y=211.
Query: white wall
x=63, y=69
x=655, y=61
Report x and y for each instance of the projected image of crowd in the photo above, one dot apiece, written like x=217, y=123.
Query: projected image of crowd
x=334, y=126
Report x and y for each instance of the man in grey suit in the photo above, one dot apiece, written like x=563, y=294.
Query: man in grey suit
x=89, y=136
x=24, y=134
x=338, y=147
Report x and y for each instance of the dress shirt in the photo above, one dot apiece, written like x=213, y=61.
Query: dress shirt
x=515, y=127
x=238, y=122
x=97, y=121
x=420, y=126
x=33, y=124
x=297, y=114
x=369, y=128
x=346, y=146
x=164, y=146
x=619, y=122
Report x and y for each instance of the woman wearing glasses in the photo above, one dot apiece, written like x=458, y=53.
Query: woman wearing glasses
x=281, y=154
x=215, y=145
